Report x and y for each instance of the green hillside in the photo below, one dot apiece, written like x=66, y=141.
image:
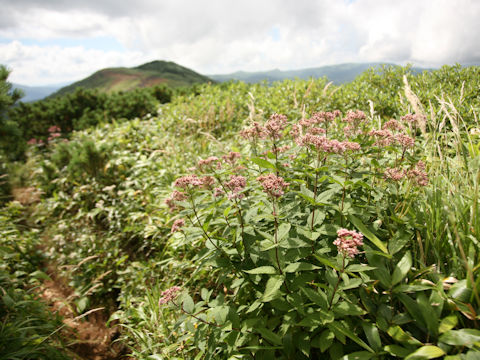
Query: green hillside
x=146, y=75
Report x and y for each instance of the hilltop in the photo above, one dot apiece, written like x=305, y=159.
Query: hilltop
x=150, y=74
x=338, y=74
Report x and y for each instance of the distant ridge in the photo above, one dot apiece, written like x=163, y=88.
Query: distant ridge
x=339, y=74
x=146, y=75
x=33, y=93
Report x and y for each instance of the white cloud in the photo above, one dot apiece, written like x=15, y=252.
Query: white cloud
x=35, y=65
x=219, y=36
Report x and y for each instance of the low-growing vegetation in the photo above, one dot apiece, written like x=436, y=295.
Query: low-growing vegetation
x=297, y=220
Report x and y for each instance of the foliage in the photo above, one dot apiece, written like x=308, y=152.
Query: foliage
x=260, y=271
x=28, y=330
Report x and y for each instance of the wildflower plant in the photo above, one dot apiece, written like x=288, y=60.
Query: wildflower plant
x=305, y=243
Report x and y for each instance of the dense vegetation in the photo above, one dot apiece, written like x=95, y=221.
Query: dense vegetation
x=327, y=230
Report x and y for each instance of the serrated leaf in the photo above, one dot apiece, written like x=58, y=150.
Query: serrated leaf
x=367, y=233
x=402, y=268
x=262, y=270
x=272, y=289
x=318, y=297
x=283, y=231
x=326, y=262
x=300, y=266
x=426, y=352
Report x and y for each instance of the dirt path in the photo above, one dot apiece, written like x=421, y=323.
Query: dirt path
x=86, y=335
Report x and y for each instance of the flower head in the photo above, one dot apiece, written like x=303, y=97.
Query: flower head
x=236, y=184
x=177, y=225
x=275, y=125
x=418, y=174
x=169, y=295
x=273, y=185
x=347, y=242
x=394, y=174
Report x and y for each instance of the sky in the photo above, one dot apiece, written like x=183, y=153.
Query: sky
x=47, y=42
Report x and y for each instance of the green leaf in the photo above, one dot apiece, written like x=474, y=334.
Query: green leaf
x=318, y=297
x=373, y=337
x=448, y=323
x=429, y=314
x=283, y=230
x=338, y=326
x=462, y=337
x=40, y=275
x=326, y=262
x=272, y=289
x=345, y=308
x=270, y=336
x=262, y=270
x=426, y=352
x=319, y=317
x=324, y=340
x=359, y=268
x=263, y=163
x=220, y=314
x=402, y=268
x=188, y=304
x=359, y=355
x=367, y=233
x=300, y=266
x=397, y=333
x=397, y=350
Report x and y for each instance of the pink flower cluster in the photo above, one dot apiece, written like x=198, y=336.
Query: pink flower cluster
x=394, y=174
x=54, y=132
x=393, y=125
x=321, y=143
x=177, y=225
x=324, y=116
x=275, y=125
x=232, y=157
x=418, y=174
x=386, y=138
x=236, y=184
x=355, y=117
x=256, y=131
x=273, y=185
x=193, y=180
x=169, y=295
x=208, y=162
x=54, y=129
x=175, y=196
x=347, y=242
